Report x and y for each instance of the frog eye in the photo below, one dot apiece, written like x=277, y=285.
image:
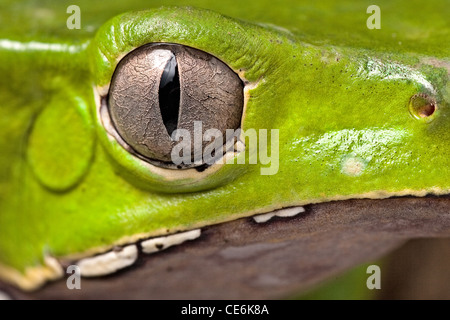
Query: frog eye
x=422, y=106
x=158, y=88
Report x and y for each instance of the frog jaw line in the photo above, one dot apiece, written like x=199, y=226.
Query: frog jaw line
x=116, y=258
x=35, y=277
x=101, y=264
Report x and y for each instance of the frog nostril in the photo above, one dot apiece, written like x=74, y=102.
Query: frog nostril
x=427, y=110
x=422, y=106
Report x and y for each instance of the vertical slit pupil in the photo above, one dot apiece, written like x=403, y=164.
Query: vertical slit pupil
x=169, y=95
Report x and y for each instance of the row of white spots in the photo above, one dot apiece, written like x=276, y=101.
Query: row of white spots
x=120, y=258
x=115, y=260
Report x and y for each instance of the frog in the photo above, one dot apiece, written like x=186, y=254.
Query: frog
x=342, y=118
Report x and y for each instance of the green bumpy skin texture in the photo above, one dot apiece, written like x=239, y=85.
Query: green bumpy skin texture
x=345, y=129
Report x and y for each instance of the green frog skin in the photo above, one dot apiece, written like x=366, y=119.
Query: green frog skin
x=353, y=122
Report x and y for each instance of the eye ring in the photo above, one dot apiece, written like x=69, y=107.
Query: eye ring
x=161, y=87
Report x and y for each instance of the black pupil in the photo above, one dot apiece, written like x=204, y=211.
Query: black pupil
x=169, y=95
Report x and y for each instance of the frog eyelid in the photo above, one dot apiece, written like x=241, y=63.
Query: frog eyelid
x=233, y=43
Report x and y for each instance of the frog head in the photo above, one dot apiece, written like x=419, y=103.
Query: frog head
x=92, y=167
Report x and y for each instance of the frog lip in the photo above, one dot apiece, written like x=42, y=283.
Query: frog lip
x=122, y=257
x=117, y=257
x=94, y=265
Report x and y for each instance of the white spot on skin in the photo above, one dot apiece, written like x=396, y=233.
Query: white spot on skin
x=376, y=68
x=109, y=262
x=353, y=166
x=4, y=296
x=286, y=212
x=161, y=243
